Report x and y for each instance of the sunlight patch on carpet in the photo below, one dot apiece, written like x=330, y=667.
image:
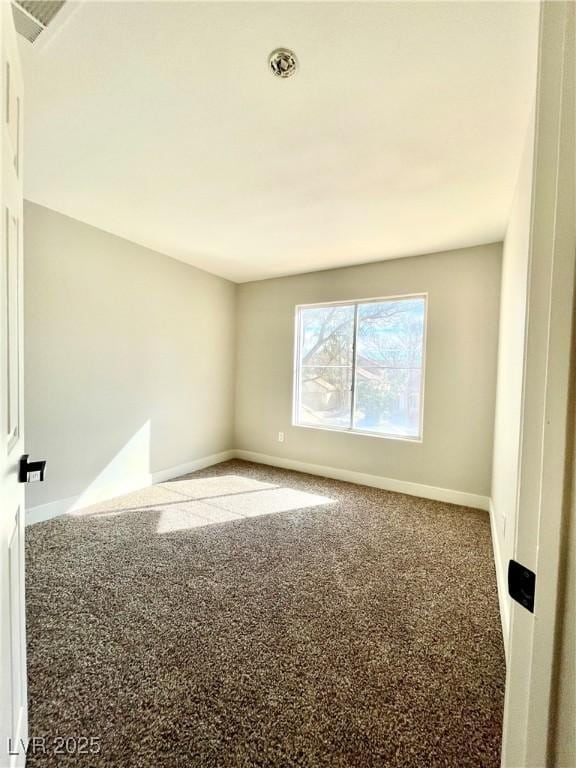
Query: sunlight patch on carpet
x=236, y=506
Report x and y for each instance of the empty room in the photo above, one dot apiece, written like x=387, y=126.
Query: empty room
x=288, y=384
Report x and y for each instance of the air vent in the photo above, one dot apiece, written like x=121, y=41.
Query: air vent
x=31, y=17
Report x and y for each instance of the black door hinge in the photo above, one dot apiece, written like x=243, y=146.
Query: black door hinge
x=521, y=584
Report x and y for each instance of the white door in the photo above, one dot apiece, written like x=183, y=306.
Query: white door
x=13, y=704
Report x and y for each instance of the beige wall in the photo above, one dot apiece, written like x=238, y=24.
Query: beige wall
x=512, y=334
x=463, y=298
x=129, y=358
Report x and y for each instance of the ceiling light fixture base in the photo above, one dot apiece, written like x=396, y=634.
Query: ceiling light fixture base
x=283, y=62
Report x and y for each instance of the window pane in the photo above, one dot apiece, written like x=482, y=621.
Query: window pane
x=325, y=396
x=388, y=400
x=391, y=333
x=325, y=375
x=327, y=335
x=388, y=366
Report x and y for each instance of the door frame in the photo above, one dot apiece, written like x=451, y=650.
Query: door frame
x=13, y=678
x=545, y=442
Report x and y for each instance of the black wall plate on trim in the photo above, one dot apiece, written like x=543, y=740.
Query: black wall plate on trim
x=522, y=585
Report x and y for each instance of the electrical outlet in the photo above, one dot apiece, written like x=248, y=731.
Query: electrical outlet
x=280, y=437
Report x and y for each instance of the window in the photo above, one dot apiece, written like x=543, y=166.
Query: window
x=359, y=366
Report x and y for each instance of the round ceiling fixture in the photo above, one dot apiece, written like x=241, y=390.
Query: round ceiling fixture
x=283, y=62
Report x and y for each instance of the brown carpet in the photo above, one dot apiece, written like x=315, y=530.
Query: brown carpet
x=250, y=616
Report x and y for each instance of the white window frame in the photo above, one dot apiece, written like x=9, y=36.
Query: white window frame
x=296, y=368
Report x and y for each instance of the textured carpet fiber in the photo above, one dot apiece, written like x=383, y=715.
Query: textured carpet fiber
x=250, y=616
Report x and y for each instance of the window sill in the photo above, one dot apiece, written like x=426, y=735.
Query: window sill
x=361, y=432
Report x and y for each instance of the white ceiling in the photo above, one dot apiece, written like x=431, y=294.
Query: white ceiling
x=401, y=133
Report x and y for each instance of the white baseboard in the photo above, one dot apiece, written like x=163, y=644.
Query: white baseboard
x=103, y=493
x=192, y=466
x=17, y=744
x=374, y=481
x=501, y=579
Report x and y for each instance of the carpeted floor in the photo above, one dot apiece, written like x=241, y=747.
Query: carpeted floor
x=250, y=616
